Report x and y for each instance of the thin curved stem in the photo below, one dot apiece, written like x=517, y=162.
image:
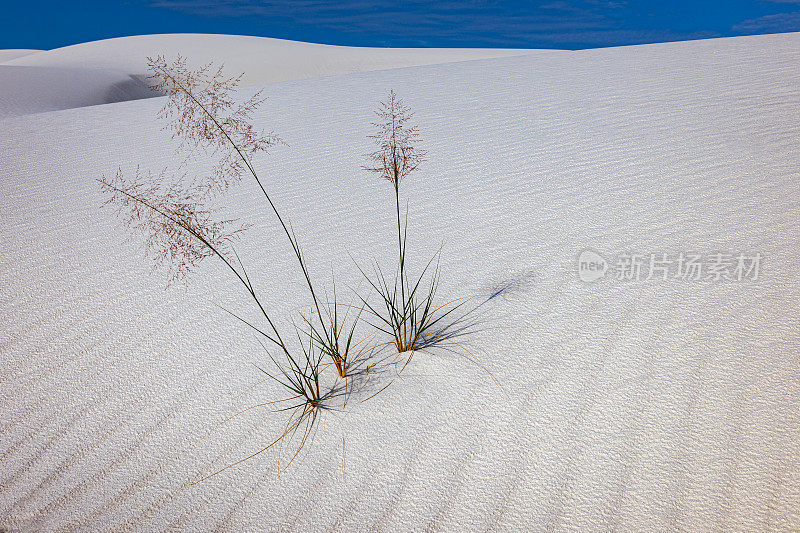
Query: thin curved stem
x=277, y=340
x=246, y=161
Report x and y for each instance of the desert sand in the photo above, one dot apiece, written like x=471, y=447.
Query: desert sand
x=634, y=405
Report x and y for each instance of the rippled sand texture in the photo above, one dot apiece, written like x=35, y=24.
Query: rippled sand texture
x=640, y=405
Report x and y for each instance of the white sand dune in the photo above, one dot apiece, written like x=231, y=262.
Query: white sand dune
x=660, y=405
x=104, y=63
x=14, y=53
x=262, y=59
x=26, y=90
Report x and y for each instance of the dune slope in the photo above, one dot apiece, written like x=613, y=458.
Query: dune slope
x=14, y=53
x=53, y=79
x=27, y=90
x=649, y=405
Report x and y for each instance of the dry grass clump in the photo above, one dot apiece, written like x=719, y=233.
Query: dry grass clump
x=406, y=310
x=178, y=222
x=180, y=229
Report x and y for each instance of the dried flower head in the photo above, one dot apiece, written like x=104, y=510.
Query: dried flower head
x=180, y=231
x=202, y=113
x=396, y=156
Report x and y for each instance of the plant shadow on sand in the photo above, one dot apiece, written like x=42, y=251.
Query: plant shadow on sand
x=451, y=335
x=374, y=369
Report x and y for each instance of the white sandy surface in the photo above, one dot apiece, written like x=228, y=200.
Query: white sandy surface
x=633, y=406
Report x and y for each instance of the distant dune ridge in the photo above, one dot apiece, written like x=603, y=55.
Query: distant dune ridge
x=25, y=90
x=112, y=67
x=649, y=405
x=8, y=55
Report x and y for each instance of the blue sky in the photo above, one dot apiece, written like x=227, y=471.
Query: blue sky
x=473, y=23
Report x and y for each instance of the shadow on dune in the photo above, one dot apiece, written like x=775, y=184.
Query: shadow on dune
x=133, y=88
x=29, y=90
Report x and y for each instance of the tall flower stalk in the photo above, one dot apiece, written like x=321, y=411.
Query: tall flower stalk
x=202, y=113
x=396, y=156
x=181, y=229
x=408, y=313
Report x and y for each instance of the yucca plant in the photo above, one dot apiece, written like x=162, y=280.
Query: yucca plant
x=406, y=310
